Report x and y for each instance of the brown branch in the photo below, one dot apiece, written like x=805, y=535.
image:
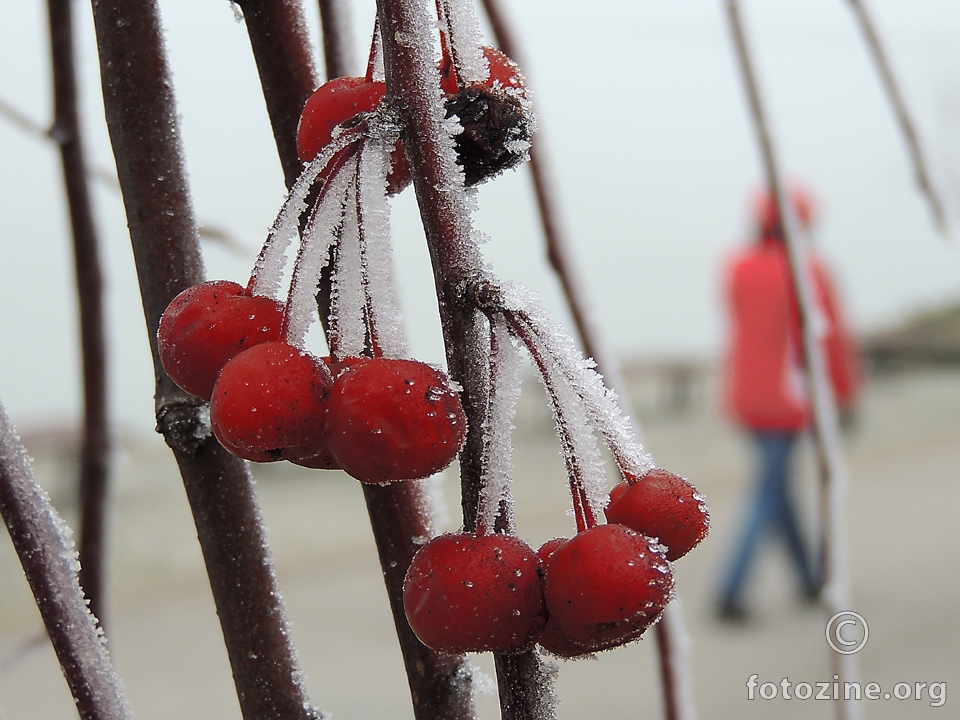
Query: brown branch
x=550, y=221
x=901, y=112
x=277, y=30
x=95, y=444
x=49, y=564
x=440, y=685
x=144, y=130
x=337, y=48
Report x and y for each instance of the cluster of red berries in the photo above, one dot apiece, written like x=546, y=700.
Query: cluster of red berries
x=598, y=590
x=379, y=419
x=496, y=126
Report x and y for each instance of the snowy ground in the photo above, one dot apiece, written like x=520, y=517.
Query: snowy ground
x=904, y=458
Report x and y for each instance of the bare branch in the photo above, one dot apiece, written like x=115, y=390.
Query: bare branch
x=899, y=105
x=95, y=443
x=144, y=131
x=49, y=561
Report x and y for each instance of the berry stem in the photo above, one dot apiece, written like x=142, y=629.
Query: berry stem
x=318, y=236
x=572, y=452
x=268, y=268
x=375, y=51
x=95, y=444
x=373, y=348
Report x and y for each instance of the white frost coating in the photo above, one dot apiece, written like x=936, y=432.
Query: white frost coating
x=480, y=682
x=318, y=236
x=348, y=298
x=501, y=411
x=268, y=270
x=450, y=177
x=600, y=401
x=385, y=316
x=466, y=38
x=38, y=533
x=577, y=440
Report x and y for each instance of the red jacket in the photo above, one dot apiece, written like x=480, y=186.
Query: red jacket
x=764, y=381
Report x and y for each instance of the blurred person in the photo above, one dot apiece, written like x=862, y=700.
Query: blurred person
x=764, y=388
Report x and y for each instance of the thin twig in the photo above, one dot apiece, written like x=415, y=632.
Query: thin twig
x=278, y=37
x=337, y=48
x=556, y=242
x=836, y=595
x=95, y=443
x=413, y=90
x=899, y=105
x=108, y=178
x=144, y=130
x=42, y=542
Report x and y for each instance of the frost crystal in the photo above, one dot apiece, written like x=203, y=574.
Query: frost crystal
x=270, y=264
x=318, y=237
x=348, y=297
x=504, y=392
x=600, y=401
x=466, y=40
x=375, y=232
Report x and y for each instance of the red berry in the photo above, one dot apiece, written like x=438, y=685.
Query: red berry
x=664, y=506
x=504, y=73
x=605, y=586
x=474, y=593
x=552, y=638
x=392, y=419
x=269, y=403
x=206, y=325
x=334, y=103
x=338, y=102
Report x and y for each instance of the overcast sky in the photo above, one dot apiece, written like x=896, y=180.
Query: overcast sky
x=643, y=118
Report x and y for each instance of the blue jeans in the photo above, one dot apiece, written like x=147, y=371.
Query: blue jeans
x=772, y=511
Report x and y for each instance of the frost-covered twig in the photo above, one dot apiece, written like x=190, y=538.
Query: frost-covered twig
x=144, y=131
x=826, y=435
x=413, y=88
x=49, y=561
x=95, y=444
x=901, y=112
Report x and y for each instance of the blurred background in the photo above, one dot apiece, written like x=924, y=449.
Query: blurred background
x=643, y=119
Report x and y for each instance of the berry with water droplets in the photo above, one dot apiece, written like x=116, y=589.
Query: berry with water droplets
x=605, y=586
x=663, y=506
x=392, y=419
x=270, y=403
x=475, y=593
x=206, y=325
